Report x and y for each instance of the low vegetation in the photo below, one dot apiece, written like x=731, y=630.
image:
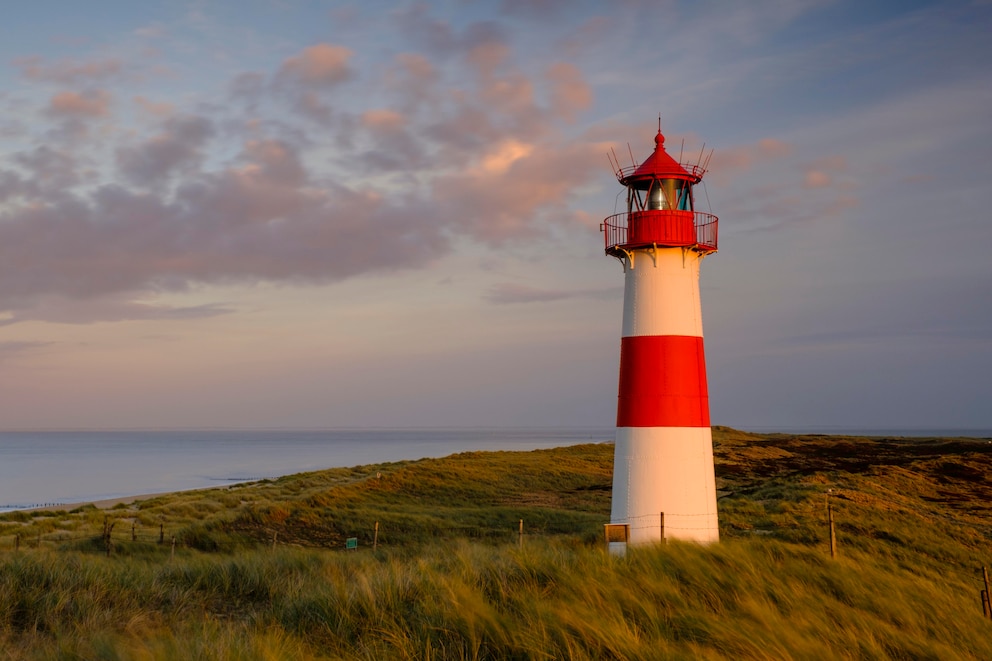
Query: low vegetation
x=260, y=571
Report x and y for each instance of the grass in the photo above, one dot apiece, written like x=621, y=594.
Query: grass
x=449, y=581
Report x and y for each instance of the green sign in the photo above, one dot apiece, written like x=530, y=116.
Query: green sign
x=351, y=543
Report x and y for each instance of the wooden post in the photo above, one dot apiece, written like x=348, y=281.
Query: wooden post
x=833, y=534
x=134, y=535
x=988, y=592
x=662, y=527
x=520, y=536
x=986, y=609
x=173, y=554
x=375, y=537
x=161, y=533
x=109, y=537
x=274, y=535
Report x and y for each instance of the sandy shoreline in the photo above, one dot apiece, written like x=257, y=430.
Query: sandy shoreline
x=107, y=504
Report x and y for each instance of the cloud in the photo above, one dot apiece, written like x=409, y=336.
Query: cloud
x=820, y=173
x=178, y=147
x=243, y=192
x=383, y=120
x=500, y=198
x=539, y=9
x=506, y=293
x=258, y=219
x=569, y=91
x=79, y=105
x=302, y=79
x=155, y=108
x=13, y=349
x=439, y=38
x=49, y=169
x=726, y=162
x=118, y=307
x=69, y=72
x=320, y=65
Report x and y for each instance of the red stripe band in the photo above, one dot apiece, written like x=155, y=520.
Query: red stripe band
x=663, y=382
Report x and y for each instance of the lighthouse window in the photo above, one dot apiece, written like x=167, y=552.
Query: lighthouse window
x=684, y=196
x=656, y=196
x=661, y=194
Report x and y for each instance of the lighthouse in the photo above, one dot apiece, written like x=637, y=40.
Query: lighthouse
x=663, y=480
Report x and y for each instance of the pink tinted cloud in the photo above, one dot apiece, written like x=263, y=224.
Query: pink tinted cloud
x=67, y=72
x=154, y=108
x=483, y=154
x=500, y=201
x=569, y=91
x=256, y=220
x=322, y=65
x=821, y=173
x=303, y=79
x=80, y=105
x=744, y=157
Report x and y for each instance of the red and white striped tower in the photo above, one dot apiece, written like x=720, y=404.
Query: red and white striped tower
x=663, y=481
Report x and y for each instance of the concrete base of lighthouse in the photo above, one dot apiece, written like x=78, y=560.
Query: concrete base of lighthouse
x=650, y=471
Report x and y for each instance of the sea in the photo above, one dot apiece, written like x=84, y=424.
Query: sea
x=53, y=468
x=46, y=468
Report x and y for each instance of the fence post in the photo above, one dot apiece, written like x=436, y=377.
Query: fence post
x=134, y=535
x=172, y=556
x=520, y=535
x=663, y=528
x=109, y=536
x=274, y=535
x=833, y=534
x=161, y=533
x=988, y=593
x=375, y=537
x=986, y=610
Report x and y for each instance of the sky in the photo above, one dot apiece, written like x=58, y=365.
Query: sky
x=289, y=213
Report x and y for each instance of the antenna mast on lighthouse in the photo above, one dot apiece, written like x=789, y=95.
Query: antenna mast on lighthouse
x=663, y=478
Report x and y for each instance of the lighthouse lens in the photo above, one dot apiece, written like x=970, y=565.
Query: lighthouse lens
x=656, y=197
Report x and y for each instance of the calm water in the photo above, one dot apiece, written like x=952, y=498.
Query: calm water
x=73, y=467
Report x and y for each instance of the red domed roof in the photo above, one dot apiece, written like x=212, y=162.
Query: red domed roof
x=659, y=165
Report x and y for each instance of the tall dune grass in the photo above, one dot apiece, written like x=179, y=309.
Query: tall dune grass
x=449, y=581
x=754, y=599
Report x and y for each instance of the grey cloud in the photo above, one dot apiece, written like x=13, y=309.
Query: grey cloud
x=49, y=169
x=176, y=148
x=110, y=308
x=440, y=38
x=256, y=221
x=13, y=349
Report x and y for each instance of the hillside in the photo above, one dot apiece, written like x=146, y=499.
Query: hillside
x=260, y=570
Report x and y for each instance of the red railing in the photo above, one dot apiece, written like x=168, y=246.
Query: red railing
x=666, y=230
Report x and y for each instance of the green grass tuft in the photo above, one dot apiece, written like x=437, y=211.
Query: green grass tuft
x=450, y=581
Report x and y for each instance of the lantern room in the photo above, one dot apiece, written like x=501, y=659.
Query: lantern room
x=660, y=207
